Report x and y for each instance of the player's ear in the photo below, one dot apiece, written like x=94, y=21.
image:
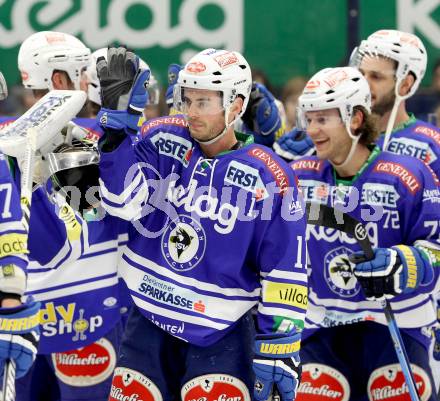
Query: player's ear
x=406, y=84
x=356, y=120
x=57, y=80
x=236, y=106
x=60, y=80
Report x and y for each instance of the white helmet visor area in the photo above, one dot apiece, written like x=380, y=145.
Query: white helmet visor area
x=199, y=102
x=366, y=62
x=318, y=119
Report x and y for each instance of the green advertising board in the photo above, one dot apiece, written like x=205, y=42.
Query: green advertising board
x=282, y=37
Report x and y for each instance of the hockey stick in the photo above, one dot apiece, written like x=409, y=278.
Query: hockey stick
x=8, y=388
x=35, y=129
x=326, y=216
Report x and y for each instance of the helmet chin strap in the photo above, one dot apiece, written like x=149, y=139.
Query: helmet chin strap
x=222, y=133
x=354, y=142
x=393, y=114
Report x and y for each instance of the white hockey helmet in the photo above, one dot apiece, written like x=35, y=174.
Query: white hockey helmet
x=218, y=70
x=94, y=87
x=404, y=48
x=43, y=52
x=341, y=88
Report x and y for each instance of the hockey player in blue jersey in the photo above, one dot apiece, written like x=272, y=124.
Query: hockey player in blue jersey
x=394, y=63
x=264, y=117
x=347, y=351
x=73, y=267
x=19, y=325
x=200, y=254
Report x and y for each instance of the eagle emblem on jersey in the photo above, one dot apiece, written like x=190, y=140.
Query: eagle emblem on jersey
x=183, y=243
x=182, y=240
x=338, y=272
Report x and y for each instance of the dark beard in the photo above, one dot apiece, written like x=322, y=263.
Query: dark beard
x=385, y=105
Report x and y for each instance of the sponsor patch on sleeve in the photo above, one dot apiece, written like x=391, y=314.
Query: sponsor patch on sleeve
x=286, y=294
x=405, y=176
x=429, y=132
x=13, y=244
x=307, y=164
x=278, y=173
x=170, y=120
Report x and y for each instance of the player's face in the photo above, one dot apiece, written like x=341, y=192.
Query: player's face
x=380, y=74
x=328, y=134
x=204, y=112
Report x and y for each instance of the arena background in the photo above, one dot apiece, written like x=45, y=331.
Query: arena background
x=283, y=38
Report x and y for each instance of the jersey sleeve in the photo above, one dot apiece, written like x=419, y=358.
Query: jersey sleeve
x=13, y=236
x=422, y=227
x=57, y=234
x=123, y=186
x=282, y=263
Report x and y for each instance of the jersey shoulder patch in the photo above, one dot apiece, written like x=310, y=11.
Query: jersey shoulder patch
x=167, y=123
x=428, y=130
x=408, y=170
x=308, y=164
x=275, y=169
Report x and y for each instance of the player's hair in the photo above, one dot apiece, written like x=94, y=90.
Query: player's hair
x=368, y=130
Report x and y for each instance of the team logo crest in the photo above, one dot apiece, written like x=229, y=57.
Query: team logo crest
x=183, y=243
x=338, y=272
x=196, y=67
x=104, y=118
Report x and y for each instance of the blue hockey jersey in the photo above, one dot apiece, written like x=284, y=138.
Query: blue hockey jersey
x=73, y=267
x=418, y=139
x=398, y=199
x=211, y=238
x=13, y=237
x=76, y=277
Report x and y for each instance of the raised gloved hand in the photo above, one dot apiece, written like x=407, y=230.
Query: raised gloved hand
x=393, y=271
x=123, y=90
x=276, y=363
x=19, y=336
x=173, y=74
x=262, y=116
x=294, y=144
